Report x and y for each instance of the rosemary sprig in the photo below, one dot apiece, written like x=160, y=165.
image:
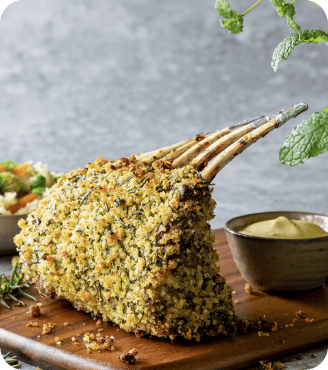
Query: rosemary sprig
x=12, y=361
x=9, y=286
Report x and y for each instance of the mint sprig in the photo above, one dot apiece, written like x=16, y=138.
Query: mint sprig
x=287, y=10
x=284, y=49
x=308, y=139
x=234, y=21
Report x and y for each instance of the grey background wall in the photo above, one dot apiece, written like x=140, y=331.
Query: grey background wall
x=80, y=79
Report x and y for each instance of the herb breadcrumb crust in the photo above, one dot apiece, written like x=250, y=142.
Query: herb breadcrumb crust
x=130, y=242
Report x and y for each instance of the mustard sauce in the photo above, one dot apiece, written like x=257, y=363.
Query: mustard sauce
x=284, y=228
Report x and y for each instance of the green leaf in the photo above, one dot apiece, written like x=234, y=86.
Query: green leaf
x=39, y=190
x=325, y=109
x=234, y=21
x=308, y=139
x=9, y=164
x=224, y=9
x=285, y=9
x=284, y=49
x=40, y=181
x=234, y=26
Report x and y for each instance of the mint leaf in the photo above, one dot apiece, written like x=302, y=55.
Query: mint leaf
x=224, y=9
x=284, y=49
x=234, y=26
x=40, y=181
x=308, y=139
x=234, y=21
x=39, y=190
x=325, y=109
x=9, y=164
x=287, y=10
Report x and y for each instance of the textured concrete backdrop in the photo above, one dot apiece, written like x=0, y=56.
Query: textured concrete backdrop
x=80, y=79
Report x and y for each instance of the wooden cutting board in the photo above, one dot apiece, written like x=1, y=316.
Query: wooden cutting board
x=213, y=353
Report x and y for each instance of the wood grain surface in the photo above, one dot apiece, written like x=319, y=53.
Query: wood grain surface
x=212, y=353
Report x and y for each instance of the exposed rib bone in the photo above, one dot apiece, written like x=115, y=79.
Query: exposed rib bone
x=159, y=153
x=245, y=141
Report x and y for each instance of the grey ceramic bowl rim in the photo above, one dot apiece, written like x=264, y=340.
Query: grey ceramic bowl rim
x=296, y=241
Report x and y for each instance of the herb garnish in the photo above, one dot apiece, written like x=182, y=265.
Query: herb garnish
x=14, y=283
x=308, y=139
x=233, y=22
x=12, y=361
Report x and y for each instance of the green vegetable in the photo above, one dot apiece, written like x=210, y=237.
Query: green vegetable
x=9, y=164
x=40, y=181
x=8, y=286
x=9, y=182
x=284, y=49
x=39, y=190
x=233, y=22
x=308, y=139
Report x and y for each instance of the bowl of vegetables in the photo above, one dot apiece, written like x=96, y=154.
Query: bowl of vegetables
x=22, y=187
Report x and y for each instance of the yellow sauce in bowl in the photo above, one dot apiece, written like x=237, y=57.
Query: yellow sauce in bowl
x=284, y=228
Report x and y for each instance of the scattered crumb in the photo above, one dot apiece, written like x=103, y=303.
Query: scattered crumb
x=300, y=313
x=128, y=357
x=58, y=342
x=248, y=288
x=309, y=320
x=119, y=329
x=299, y=357
x=34, y=310
x=313, y=355
x=30, y=324
x=89, y=350
x=237, y=301
x=233, y=292
x=98, y=322
x=73, y=339
x=286, y=314
x=77, y=335
x=39, y=336
x=294, y=321
x=274, y=328
x=47, y=328
x=84, y=324
x=262, y=334
x=39, y=304
x=77, y=343
x=57, y=339
x=288, y=325
x=65, y=323
x=101, y=329
x=264, y=365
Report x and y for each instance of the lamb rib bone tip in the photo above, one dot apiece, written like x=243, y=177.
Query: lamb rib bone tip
x=261, y=127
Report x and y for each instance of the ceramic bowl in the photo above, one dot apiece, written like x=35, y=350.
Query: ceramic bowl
x=8, y=229
x=273, y=264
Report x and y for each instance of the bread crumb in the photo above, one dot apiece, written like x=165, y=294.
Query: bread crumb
x=248, y=288
x=98, y=322
x=233, y=292
x=237, y=301
x=34, y=310
x=313, y=355
x=309, y=320
x=65, y=323
x=47, y=328
x=128, y=357
x=262, y=334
